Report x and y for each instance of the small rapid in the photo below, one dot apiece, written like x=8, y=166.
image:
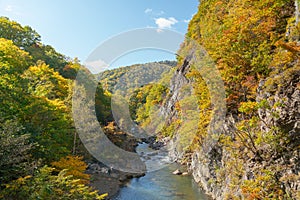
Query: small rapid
x=159, y=183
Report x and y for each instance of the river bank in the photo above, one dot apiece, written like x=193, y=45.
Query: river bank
x=159, y=182
x=107, y=180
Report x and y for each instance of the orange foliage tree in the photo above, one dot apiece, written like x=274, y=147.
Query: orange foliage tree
x=75, y=167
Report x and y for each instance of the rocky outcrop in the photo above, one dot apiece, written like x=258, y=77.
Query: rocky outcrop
x=281, y=94
x=154, y=143
x=201, y=164
x=177, y=82
x=258, y=155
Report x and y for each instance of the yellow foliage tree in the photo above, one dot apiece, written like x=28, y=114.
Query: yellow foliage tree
x=75, y=167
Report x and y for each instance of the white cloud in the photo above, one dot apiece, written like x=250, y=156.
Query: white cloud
x=165, y=22
x=160, y=13
x=8, y=8
x=148, y=10
x=152, y=12
x=12, y=9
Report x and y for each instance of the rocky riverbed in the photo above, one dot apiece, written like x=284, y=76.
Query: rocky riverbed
x=107, y=180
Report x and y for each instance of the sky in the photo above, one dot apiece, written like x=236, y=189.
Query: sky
x=76, y=28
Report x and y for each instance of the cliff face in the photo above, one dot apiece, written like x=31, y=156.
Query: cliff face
x=281, y=93
x=256, y=154
x=177, y=82
x=202, y=163
x=282, y=97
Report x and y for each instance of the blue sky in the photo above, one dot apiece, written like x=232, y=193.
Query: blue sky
x=75, y=28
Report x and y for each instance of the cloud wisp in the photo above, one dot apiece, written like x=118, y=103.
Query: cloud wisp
x=165, y=22
x=12, y=9
x=148, y=10
x=8, y=8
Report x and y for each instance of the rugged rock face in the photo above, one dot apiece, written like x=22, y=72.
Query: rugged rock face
x=168, y=109
x=255, y=154
x=203, y=166
x=200, y=163
x=281, y=92
x=282, y=95
x=177, y=82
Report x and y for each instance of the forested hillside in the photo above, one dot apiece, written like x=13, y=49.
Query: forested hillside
x=255, y=154
x=133, y=76
x=142, y=85
x=37, y=136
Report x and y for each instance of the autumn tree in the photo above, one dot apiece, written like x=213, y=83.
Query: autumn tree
x=45, y=185
x=74, y=166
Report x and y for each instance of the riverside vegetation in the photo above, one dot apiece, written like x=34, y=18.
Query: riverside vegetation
x=255, y=154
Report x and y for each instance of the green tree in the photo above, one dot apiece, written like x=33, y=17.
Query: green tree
x=45, y=185
x=45, y=82
x=15, y=158
x=13, y=62
x=49, y=55
x=21, y=36
x=29, y=40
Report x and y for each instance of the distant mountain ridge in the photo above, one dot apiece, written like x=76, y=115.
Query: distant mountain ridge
x=132, y=77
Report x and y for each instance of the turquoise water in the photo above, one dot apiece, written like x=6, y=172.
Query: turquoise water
x=161, y=184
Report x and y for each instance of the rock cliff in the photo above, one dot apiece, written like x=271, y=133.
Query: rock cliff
x=255, y=151
x=281, y=93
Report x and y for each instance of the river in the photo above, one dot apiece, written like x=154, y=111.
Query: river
x=159, y=183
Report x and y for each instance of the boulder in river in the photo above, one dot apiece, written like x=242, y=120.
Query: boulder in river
x=177, y=172
x=185, y=174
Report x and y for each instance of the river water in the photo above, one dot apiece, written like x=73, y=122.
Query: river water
x=159, y=183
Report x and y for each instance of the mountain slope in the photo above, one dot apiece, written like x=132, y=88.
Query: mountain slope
x=254, y=153
x=134, y=76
